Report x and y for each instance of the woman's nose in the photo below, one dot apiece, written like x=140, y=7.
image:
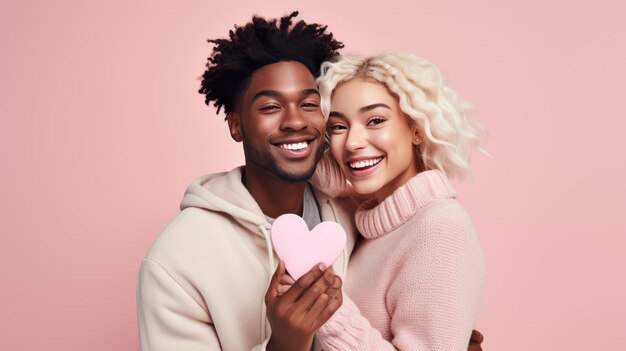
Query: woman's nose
x=357, y=139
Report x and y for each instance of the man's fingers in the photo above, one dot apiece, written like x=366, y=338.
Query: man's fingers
x=476, y=337
x=335, y=287
x=302, y=284
x=286, y=279
x=272, y=290
x=318, y=306
x=306, y=301
x=332, y=306
x=282, y=289
x=333, y=292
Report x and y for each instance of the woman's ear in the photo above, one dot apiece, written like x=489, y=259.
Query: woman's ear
x=234, y=126
x=417, y=139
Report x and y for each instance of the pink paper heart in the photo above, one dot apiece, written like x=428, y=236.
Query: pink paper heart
x=300, y=248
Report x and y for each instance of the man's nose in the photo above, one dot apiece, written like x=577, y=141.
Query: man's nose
x=293, y=120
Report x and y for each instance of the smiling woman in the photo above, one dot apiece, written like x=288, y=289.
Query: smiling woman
x=372, y=117
x=396, y=133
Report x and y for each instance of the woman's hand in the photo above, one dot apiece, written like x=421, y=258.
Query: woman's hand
x=295, y=311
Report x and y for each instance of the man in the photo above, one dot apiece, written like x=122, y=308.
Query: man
x=208, y=281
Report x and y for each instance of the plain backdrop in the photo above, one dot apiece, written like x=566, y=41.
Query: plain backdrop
x=102, y=129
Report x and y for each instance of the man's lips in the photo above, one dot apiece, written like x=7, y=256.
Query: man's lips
x=293, y=139
x=295, y=147
x=294, y=142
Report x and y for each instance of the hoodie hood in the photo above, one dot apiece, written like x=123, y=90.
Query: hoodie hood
x=224, y=192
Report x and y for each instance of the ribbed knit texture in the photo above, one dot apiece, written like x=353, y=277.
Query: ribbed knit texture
x=375, y=220
x=416, y=283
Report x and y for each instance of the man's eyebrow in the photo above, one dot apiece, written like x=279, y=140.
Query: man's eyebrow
x=373, y=106
x=271, y=93
x=274, y=93
x=306, y=92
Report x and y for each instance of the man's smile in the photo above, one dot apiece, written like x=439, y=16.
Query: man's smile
x=295, y=148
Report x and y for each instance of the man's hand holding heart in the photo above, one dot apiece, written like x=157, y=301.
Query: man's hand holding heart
x=297, y=308
x=296, y=313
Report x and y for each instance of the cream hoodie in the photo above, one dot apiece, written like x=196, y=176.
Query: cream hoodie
x=202, y=284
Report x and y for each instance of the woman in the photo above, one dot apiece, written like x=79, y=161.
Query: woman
x=397, y=132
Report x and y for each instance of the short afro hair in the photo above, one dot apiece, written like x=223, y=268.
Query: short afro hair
x=257, y=44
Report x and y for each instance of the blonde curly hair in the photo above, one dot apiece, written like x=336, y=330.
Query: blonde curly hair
x=445, y=122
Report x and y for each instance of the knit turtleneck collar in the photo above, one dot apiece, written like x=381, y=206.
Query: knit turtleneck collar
x=375, y=220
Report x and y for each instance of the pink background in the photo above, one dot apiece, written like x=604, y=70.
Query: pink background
x=102, y=130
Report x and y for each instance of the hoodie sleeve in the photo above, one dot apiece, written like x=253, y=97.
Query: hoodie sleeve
x=169, y=318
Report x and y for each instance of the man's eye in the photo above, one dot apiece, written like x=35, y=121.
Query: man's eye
x=375, y=120
x=310, y=105
x=269, y=108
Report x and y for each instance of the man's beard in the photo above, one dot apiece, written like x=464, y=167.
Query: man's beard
x=265, y=160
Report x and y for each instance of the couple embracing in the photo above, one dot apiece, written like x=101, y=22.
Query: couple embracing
x=368, y=143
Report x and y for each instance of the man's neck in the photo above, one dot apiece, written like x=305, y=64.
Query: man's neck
x=274, y=195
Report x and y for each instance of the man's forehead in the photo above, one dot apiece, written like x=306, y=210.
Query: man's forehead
x=288, y=76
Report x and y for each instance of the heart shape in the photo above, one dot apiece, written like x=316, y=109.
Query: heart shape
x=300, y=248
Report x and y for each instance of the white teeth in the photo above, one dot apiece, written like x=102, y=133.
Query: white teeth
x=295, y=146
x=366, y=163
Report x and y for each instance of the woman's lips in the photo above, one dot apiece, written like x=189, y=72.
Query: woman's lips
x=364, y=167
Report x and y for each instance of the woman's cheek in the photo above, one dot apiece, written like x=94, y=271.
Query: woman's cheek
x=336, y=147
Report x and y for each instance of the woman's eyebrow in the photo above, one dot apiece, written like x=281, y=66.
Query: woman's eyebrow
x=361, y=110
x=336, y=114
x=373, y=106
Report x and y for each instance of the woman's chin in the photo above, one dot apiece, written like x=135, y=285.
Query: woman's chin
x=364, y=189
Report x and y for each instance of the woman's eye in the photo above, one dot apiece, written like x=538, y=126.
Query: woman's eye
x=375, y=120
x=336, y=127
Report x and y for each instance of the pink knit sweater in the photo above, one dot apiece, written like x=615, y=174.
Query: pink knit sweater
x=416, y=282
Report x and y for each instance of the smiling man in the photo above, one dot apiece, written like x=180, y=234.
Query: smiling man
x=208, y=282
x=279, y=122
x=204, y=282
